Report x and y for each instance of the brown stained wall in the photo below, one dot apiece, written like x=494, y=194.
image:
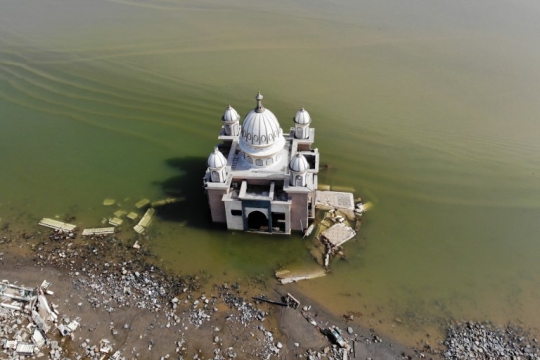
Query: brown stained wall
x=217, y=207
x=299, y=211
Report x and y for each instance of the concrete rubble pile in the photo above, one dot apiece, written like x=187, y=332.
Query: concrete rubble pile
x=30, y=324
x=29, y=321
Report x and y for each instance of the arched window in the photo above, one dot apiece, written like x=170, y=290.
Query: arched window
x=269, y=161
x=215, y=176
x=259, y=162
x=249, y=159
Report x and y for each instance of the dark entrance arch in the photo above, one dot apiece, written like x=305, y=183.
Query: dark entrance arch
x=257, y=221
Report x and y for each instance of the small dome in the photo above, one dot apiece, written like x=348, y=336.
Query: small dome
x=230, y=115
x=299, y=163
x=302, y=117
x=216, y=160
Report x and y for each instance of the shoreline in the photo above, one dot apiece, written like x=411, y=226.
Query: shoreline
x=121, y=298
x=120, y=295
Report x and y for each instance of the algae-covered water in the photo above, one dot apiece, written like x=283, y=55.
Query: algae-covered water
x=427, y=109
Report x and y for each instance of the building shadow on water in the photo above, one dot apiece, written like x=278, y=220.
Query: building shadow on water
x=188, y=185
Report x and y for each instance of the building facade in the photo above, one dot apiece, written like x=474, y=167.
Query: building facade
x=259, y=178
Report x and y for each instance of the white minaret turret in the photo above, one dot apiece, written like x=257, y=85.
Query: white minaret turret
x=301, y=124
x=231, y=122
x=298, y=167
x=217, y=165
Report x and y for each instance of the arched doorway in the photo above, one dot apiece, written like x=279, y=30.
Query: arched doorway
x=257, y=221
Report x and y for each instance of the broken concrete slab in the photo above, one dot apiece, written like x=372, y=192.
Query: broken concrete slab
x=109, y=202
x=116, y=221
x=145, y=221
x=167, y=201
x=98, y=231
x=132, y=215
x=120, y=213
x=73, y=325
x=142, y=203
x=18, y=293
x=288, y=276
x=25, y=349
x=57, y=225
x=334, y=199
x=338, y=234
x=10, y=344
x=37, y=338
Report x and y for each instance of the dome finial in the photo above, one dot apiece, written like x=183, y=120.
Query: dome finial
x=260, y=107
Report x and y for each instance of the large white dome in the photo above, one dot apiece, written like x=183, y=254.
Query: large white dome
x=261, y=128
x=261, y=133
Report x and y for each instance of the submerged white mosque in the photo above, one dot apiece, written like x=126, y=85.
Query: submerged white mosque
x=260, y=179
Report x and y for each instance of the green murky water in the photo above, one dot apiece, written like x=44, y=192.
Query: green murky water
x=428, y=109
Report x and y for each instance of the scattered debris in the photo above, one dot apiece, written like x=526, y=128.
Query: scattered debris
x=334, y=334
x=31, y=321
x=337, y=226
x=57, y=225
x=264, y=299
x=291, y=301
x=136, y=245
x=309, y=230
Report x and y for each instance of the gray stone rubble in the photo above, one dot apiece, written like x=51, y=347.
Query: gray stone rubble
x=472, y=340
